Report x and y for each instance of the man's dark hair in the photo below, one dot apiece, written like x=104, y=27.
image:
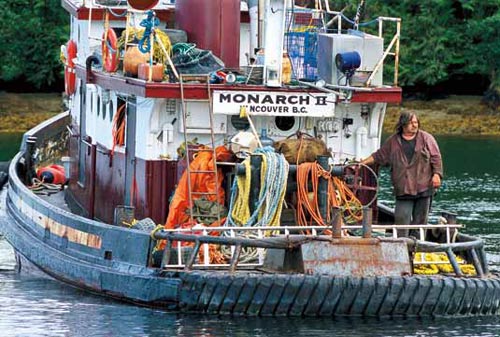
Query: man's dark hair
x=404, y=119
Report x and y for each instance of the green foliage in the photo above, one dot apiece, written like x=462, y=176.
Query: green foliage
x=439, y=38
x=30, y=33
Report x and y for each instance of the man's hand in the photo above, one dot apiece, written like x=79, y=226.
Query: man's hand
x=436, y=181
x=368, y=161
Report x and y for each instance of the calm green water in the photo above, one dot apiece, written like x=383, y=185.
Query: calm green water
x=9, y=145
x=38, y=307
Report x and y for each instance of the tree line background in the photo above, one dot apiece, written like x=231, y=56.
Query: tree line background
x=447, y=46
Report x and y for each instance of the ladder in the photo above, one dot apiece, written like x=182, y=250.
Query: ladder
x=183, y=78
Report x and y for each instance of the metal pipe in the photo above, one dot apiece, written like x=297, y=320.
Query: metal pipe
x=29, y=164
x=323, y=188
x=166, y=253
x=255, y=165
x=235, y=258
x=477, y=263
x=367, y=222
x=336, y=224
x=192, y=257
x=93, y=179
x=484, y=261
x=454, y=263
x=335, y=170
x=261, y=25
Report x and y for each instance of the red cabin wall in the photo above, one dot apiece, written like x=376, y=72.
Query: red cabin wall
x=110, y=185
x=155, y=186
x=213, y=25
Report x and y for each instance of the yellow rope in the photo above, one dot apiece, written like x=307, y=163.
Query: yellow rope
x=436, y=268
x=241, y=208
x=132, y=34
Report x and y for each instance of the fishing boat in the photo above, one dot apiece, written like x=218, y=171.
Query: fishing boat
x=209, y=162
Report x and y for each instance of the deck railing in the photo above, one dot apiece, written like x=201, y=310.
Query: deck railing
x=235, y=239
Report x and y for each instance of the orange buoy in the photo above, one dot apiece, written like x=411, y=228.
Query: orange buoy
x=131, y=60
x=109, y=47
x=52, y=174
x=142, y=5
x=69, y=68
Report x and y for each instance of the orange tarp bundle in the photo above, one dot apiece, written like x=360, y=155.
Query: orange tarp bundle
x=200, y=182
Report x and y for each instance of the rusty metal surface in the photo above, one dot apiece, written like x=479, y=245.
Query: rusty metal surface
x=356, y=257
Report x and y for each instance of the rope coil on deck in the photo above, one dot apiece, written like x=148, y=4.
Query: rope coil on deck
x=442, y=264
x=274, y=175
x=339, y=196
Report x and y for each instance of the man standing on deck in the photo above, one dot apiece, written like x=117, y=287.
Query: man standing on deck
x=416, y=170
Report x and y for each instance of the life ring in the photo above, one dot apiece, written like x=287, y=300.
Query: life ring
x=109, y=46
x=69, y=69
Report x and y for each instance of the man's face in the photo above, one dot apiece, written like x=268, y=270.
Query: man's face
x=412, y=126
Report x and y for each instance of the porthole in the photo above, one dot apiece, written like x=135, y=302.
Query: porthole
x=284, y=123
x=239, y=123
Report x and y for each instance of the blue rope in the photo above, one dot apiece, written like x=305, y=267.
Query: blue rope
x=148, y=23
x=276, y=177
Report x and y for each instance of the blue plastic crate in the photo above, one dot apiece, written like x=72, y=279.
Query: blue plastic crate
x=302, y=49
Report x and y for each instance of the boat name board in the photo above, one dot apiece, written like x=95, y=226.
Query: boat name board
x=262, y=103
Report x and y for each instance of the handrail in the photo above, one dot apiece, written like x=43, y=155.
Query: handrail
x=468, y=244
x=473, y=246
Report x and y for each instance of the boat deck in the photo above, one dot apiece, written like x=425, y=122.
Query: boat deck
x=55, y=198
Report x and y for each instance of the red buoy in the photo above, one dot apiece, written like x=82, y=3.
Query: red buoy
x=52, y=174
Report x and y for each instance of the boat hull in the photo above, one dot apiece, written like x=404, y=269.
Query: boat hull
x=252, y=293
